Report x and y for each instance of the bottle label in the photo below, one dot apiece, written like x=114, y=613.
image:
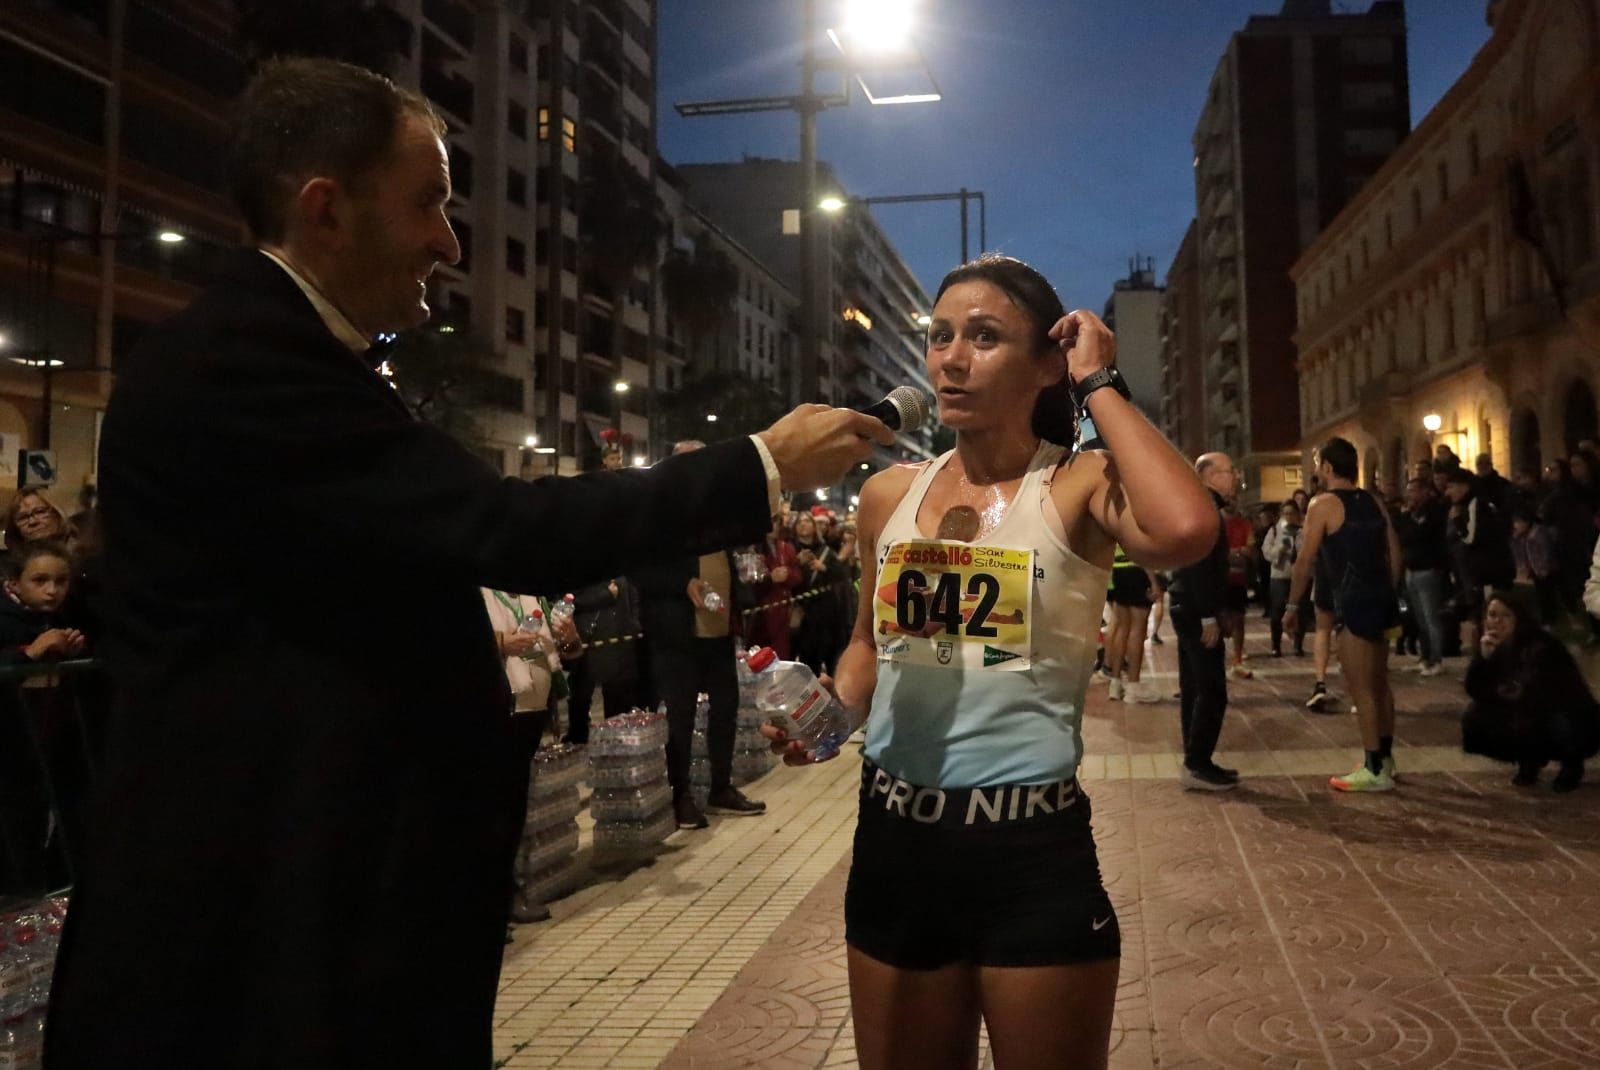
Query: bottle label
x=807, y=713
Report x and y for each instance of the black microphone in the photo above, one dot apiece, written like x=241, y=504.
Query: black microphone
x=905, y=409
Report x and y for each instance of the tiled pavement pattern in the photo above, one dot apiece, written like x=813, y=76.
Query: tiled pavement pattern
x=1455, y=922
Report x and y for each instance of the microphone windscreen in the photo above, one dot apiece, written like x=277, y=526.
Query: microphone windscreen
x=911, y=404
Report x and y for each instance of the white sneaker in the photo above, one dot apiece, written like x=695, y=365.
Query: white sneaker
x=1099, y=676
x=1143, y=691
x=1431, y=670
x=1117, y=687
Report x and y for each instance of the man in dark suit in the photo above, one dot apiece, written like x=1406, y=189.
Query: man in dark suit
x=301, y=844
x=691, y=651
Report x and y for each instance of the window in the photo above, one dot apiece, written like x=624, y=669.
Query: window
x=541, y=185
x=1388, y=231
x=517, y=54
x=569, y=376
x=544, y=124
x=569, y=439
x=516, y=119
x=1366, y=51
x=542, y=59
x=541, y=248
x=464, y=238
x=1474, y=155
x=1368, y=96
x=569, y=252
x=1444, y=181
x=516, y=326
x=541, y=310
x=516, y=186
x=516, y=257
x=569, y=315
x=459, y=311
x=1366, y=142
x=1416, y=207
x=569, y=135
x=460, y=171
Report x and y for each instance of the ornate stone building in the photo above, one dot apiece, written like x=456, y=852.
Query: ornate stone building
x=1463, y=281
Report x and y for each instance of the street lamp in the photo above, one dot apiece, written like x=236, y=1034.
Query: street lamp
x=711, y=417
x=620, y=386
x=638, y=460
x=169, y=237
x=878, y=26
x=924, y=320
x=833, y=204
x=891, y=23
x=531, y=441
x=1431, y=423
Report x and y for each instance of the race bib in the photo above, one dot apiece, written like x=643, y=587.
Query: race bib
x=952, y=605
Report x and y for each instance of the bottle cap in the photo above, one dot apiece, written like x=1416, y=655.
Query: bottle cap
x=760, y=658
x=567, y=598
x=537, y=614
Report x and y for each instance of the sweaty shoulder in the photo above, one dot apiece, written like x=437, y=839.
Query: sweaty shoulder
x=882, y=492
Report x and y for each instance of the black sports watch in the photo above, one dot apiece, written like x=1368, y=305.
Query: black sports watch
x=1082, y=388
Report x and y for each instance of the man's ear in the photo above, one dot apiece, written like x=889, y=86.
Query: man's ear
x=320, y=212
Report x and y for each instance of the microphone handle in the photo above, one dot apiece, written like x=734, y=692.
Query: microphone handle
x=884, y=410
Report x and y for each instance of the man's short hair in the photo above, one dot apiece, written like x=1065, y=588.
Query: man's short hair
x=1340, y=455
x=302, y=117
x=1460, y=475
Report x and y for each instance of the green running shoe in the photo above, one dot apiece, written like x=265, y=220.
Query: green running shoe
x=1363, y=779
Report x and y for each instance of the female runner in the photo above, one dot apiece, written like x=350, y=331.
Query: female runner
x=974, y=889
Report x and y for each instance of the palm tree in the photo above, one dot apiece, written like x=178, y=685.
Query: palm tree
x=438, y=371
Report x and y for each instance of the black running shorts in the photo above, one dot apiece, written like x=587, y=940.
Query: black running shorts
x=1002, y=876
x=1129, y=587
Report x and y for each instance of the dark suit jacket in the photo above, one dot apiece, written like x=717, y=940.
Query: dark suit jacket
x=1197, y=590
x=664, y=606
x=303, y=845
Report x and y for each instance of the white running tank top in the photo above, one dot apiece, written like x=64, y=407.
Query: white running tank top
x=1002, y=706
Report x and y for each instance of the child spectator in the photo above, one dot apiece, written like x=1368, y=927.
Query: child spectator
x=39, y=577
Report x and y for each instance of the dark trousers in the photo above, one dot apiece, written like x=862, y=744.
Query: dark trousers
x=1203, y=690
x=679, y=676
x=527, y=731
x=616, y=696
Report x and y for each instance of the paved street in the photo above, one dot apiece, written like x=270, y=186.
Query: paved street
x=1455, y=922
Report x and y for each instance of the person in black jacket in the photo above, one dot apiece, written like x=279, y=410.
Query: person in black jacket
x=607, y=619
x=299, y=850
x=1530, y=702
x=1425, y=553
x=1196, y=600
x=691, y=651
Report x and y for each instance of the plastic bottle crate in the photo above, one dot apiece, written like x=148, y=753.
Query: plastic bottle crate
x=630, y=836
x=611, y=773
x=552, y=882
x=543, y=848
x=628, y=734
x=555, y=769
x=630, y=804
x=547, y=810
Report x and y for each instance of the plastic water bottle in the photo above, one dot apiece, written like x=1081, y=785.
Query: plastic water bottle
x=791, y=697
x=20, y=1048
x=16, y=995
x=713, y=602
x=530, y=625
x=561, y=614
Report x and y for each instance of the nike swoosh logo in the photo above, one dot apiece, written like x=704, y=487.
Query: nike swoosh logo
x=1102, y=923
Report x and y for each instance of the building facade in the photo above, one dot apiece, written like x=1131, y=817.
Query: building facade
x=1463, y=282
x=1302, y=110
x=1134, y=310
x=872, y=300
x=112, y=201
x=1183, y=408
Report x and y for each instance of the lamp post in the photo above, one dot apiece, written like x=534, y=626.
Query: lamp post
x=41, y=353
x=838, y=204
x=871, y=27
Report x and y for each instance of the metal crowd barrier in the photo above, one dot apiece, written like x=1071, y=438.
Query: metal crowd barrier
x=52, y=719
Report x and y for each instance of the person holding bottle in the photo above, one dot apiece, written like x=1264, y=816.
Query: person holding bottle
x=974, y=890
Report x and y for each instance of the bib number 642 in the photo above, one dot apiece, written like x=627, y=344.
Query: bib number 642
x=914, y=607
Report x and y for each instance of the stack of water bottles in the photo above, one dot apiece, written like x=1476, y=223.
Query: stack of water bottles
x=632, y=804
x=752, y=752
x=28, y=942
x=545, y=867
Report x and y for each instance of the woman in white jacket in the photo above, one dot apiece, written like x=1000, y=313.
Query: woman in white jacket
x=1280, y=547
x=522, y=636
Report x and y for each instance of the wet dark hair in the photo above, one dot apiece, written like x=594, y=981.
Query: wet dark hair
x=20, y=557
x=1340, y=455
x=301, y=117
x=1055, y=415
